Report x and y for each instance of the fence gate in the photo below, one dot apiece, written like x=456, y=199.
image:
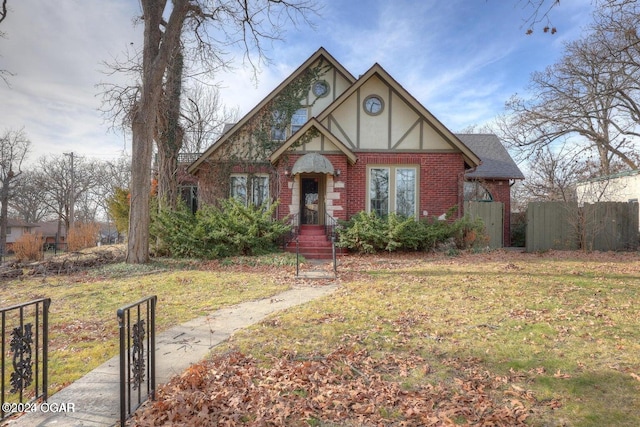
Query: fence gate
x=23, y=361
x=492, y=215
x=137, y=325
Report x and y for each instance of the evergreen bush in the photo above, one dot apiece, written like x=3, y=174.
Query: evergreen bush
x=370, y=233
x=229, y=229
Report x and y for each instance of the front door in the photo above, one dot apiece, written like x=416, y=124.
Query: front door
x=310, y=200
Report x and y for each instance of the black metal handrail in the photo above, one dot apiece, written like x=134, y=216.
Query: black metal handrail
x=29, y=351
x=330, y=224
x=292, y=235
x=137, y=354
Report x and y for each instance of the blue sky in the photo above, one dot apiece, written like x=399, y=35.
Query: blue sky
x=462, y=59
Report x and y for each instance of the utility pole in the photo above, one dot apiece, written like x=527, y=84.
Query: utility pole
x=72, y=196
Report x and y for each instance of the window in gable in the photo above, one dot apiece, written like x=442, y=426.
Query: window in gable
x=298, y=120
x=278, y=126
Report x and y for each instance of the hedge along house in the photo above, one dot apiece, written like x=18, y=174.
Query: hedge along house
x=328, y=145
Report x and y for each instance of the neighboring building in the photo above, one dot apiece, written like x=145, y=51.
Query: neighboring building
x=53, y=233
x=355, y=144
x=620, y=187
x=15, y=229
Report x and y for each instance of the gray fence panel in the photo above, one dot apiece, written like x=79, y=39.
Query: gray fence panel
x=550, y=226
x=602, y=226
x=611, y=226
x=492, y=215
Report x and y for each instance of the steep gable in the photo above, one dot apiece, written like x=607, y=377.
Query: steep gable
x=335, y=76
x=402, y=124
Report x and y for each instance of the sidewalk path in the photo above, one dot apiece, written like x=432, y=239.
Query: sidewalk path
x=95, y=397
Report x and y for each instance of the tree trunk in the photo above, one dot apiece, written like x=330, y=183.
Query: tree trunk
x=141, y=151
x=4, y=210
x=158, y=46
x=167, y=178
x=170, y=134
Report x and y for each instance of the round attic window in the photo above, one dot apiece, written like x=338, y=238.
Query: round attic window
x=320, y=88
x=373, y=105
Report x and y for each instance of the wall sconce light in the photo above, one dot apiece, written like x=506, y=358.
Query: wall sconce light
x=338, y=172
x=287, y=172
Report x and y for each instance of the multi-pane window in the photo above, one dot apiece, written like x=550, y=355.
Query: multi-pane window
x=298, y=120
x=253, y=191
x=475, y=191
x=260, y=190
x=239, y=188
x=379, y=191
x=279, y=124
x=393, y=189
x=406, y=191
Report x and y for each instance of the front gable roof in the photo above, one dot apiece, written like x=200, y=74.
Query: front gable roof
x=376, y=70
x=320, y=53
x=313, y=123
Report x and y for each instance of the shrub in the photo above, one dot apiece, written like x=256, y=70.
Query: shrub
x=28, y=247
x=219, y=231
x=83, y=236
x=369, y=233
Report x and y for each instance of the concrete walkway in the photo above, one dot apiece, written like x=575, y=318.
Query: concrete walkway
x=96, y=396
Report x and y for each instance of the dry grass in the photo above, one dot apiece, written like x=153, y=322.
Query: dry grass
x=565, y=324
x=561, y=326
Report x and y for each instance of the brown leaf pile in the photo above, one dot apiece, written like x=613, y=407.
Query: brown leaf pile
x=343, y=388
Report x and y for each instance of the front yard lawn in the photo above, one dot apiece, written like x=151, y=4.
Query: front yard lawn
x=502, y=338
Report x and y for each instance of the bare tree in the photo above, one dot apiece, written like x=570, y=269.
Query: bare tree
x=539, y=14
x=575, y=98
x=28, y=200
x=207, y=28
x=4, y=11
x=14, y=147
x=55, y=179
x=204, y=117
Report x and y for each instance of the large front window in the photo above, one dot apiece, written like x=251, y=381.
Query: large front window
x=393, y=189
x=253, y=190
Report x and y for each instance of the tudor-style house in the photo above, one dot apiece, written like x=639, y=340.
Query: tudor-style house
x=328, y=145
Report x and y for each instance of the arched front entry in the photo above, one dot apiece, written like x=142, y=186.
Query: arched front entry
x=312, y=170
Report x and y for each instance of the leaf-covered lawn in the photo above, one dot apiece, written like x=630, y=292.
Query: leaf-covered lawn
x=500, y=338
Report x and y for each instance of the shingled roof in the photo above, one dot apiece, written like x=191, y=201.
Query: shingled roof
x=496, y=161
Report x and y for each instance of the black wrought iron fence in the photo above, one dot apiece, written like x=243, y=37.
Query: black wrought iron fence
x=137, y=355
x=23, y=365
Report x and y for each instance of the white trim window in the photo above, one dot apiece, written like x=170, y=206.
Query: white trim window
x=393, y=189
x=257, y=188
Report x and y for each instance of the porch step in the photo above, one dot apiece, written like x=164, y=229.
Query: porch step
x=313, y=243
x=312, y=230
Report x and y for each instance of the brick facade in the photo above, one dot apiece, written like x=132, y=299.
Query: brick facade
x=440, y=178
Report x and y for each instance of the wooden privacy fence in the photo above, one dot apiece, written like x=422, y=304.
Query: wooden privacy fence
x=602, y=226
x=492, y=215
